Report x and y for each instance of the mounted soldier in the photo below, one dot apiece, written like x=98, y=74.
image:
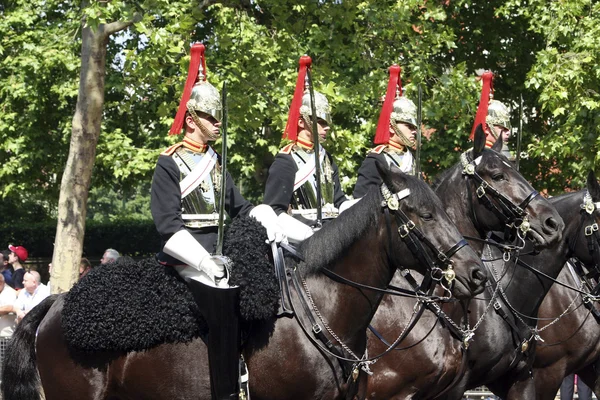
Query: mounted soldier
x=189, y=182
x=494, y=116
x=395, y=136
x=294, y=187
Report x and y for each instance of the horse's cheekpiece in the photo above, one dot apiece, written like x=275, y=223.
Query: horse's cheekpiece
x=588, y=204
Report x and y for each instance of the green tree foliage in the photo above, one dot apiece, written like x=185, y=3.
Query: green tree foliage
x=545, y=51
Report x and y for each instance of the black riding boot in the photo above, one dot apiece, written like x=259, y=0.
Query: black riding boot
x=220, y=308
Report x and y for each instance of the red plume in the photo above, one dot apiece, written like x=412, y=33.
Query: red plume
x=197, y=56
x=484, y=101
x=291, y=128
x=382, y=136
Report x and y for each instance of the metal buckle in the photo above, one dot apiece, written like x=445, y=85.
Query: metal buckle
x=481, y=190
x=404, y=230
x=590, y=229
x=497, y=306
x=317, y=329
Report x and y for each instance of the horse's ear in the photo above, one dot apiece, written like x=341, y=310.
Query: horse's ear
x=593, y=187
x=497, y=147
x=479, y=142
x=385, y=173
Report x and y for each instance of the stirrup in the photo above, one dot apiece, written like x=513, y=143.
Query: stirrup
x=244, y=380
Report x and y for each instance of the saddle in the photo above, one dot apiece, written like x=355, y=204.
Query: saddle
x=133, y=306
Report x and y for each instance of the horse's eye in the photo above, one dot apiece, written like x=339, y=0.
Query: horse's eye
x=498, y=177
x=426, y=217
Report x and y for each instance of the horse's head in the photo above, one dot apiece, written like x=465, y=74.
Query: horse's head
x=500, y=198
x=420, y=224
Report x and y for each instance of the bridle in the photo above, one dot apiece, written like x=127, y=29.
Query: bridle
x=590, y=230
x=440, y=266
x=511, y=214
x=441, y=269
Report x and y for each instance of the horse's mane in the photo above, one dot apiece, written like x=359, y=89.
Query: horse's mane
x=336, y=237
x=443, y=176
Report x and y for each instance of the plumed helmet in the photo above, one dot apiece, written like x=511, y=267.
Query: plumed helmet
x=498, y=114
x=198, y=95
x=322, y=107
x=207, y=99
x=404, y=110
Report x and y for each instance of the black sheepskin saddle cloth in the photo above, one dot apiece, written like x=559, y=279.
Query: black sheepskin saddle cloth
x=133, y=306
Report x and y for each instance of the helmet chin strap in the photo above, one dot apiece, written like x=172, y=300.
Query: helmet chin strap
x=308, y=126
x=403, y=139
x=207, y=132
x=492, y=130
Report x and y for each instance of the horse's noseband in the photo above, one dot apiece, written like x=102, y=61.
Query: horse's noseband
x=415, y=239
x=504, y=208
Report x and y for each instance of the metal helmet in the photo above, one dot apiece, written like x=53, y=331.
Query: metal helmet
x=321, y=106
x=498, y=114
x=205, y=98
x=404, y=110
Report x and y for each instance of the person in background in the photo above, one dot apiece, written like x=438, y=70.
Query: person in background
x=84, y=267
x=109, y=256
x=8, y=297
x=34, y=291
x=17, y=257
x=5, y=268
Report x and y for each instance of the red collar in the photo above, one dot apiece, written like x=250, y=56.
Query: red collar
x=193, y=145
x=305, y=145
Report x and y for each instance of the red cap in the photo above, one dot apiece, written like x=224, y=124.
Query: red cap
x=382, y=136
x=20, y=251
x=197, y=56
x=484, y=101
x=291, y=128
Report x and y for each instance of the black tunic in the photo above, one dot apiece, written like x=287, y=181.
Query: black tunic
x=279, y=189
x=368, y=177
x=165, y=205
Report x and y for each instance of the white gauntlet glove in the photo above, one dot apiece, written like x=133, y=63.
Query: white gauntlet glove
x=348, y=203
x=294, y=230
x=214, y=266
x=184, y=247
x=264, y=214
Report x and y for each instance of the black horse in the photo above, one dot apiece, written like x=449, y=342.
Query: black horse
x=503, y=318
x=431, y=359
x=284, y=357
x=569, y=322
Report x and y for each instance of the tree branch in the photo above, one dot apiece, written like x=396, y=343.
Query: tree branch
x=117, y=26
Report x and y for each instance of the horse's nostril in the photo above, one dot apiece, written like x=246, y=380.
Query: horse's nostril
x=552, y=224
x=479, y=275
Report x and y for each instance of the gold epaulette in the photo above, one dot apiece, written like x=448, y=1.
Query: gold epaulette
x=170, y=150
x=378, y=149
x=287, y=149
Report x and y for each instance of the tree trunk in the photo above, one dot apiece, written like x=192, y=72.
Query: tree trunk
x=75, y=184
